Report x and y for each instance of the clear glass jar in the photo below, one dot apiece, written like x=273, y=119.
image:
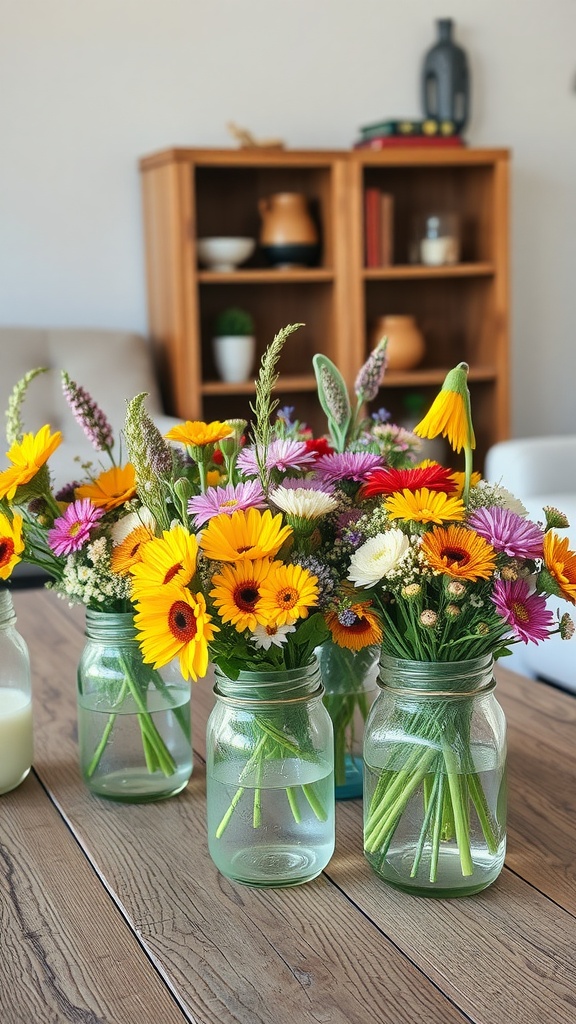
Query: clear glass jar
x=270, y=777
x=134, y=733
x=435, y=777
x=436, y=239
x=349, y=680
x=16, y=742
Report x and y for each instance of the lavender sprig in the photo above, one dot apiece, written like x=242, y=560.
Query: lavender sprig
x=370, y=375
x=88, y=415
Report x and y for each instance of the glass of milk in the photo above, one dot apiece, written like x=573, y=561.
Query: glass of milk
x=16, y=749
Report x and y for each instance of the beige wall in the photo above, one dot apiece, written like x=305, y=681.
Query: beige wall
x=88, y=86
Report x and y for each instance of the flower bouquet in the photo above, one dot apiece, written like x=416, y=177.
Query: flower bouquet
x=456, y=573
x=85, y=538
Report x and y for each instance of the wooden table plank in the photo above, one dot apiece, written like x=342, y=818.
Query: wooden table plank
x=67, y=953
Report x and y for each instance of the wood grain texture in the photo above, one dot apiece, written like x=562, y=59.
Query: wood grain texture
x=67, y=953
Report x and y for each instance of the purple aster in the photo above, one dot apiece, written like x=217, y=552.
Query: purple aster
x=307, y=483
x=226, y=499
x=71, y=531
x=282, y=454
x=508, y=532
x=525, y=612
x=347, y=465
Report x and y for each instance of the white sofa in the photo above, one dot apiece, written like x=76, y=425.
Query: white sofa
x=541, y=471
x=112, y=366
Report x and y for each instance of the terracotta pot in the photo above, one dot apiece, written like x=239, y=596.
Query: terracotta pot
x=288, y=234
x=406, y=345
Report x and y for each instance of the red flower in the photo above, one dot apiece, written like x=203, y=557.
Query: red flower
x=387, y=481
x=218, y=457
x=318, y=445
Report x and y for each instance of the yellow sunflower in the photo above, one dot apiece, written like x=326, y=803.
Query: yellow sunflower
x=27, y=457
x=363, y=630
x=111, y=489
x=173, y=622
x=424, y=506
x=11, y=544
x=449, y=413
x=460, y=478
x=168, y=559
x=196, y=434
x=246, y=534
x=286, y=594
x=459, y=553
x=560, y=562
x=237, y=591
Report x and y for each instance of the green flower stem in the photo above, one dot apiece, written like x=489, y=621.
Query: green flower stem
x=437, y=828
x=398, y=795
x=150, y=733
x=430, y=806
x=489, y=826
x=105, y=735
x=314, y=802
x=461, y=822
x=291, y=794
x=229, y=812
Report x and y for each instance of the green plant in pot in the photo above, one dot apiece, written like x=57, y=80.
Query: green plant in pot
x=234, y=344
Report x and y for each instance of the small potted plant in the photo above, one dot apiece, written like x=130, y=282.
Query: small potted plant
x=234, y=344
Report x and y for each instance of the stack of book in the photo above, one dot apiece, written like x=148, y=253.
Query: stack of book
x=378, y=228
x=408, y=133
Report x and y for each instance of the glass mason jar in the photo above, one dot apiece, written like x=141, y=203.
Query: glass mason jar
x=16, y=749
x=349, y=680
x=270, y=777
x=133, y=721
x=435, y=777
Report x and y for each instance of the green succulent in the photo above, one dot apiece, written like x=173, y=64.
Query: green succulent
x=233, y=321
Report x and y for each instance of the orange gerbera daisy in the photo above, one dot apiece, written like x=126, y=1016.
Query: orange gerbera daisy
x=246, y=534
x=196, y=434
x=237, y=591
x=286, y=594
x=27, y=457
x=112, y=488
x=362, y=630
x=459, y=553
x=424, y=506
x=560, y=562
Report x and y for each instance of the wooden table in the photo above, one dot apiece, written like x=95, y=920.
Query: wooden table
x=115, y=913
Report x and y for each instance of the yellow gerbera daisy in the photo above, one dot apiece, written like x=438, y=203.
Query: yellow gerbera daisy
x=459, y=553
x=287, y=593
x=11, y=544
x=424, y=506
x=449, y=413
x=560, y=562
x=168, y=559
x=27, y=457
x=363, y=631
x=172, y=623
x=197, y=434
x=246, y=534
x=111, y=489
x=460, y=479
x=237, y=591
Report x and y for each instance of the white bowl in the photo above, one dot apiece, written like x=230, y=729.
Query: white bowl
x=225, y=253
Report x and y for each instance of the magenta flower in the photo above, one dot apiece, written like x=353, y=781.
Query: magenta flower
x=71, y=531
x=226, y=499
x=525, y=612
x=88, y=415
x=347, y=465
x=282, y=455
x=508, y=532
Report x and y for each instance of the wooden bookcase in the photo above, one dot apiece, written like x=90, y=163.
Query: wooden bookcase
x=462, y=309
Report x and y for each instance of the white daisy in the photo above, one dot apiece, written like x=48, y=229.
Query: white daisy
x=377, y=557
x=264, y=636
x=303, y=502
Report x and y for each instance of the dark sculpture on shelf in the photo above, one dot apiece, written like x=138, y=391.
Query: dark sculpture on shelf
x=446, y=80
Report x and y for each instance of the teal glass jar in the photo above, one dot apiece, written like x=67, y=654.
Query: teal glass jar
x=435, y=777
x=270, y=777
x=134, y=734
x=16, y=740
x=349, y=680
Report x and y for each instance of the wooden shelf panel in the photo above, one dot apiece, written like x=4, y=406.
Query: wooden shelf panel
x=406, y=271
x=287, y=382
x=299, y=275
x=435, y=377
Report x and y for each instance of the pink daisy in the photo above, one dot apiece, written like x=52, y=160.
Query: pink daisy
x=71, y=531
x=525, y=612
x=282, y=454
x=347, y=465
x=226, y=499
x=508, y=532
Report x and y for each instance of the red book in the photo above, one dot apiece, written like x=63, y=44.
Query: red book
x=409, y=141
x=386, y=229
x=372, y=227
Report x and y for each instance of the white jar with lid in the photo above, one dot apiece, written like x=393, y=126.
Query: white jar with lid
x=16, y=745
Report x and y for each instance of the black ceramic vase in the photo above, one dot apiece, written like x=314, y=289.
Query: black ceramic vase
x=446, y=80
